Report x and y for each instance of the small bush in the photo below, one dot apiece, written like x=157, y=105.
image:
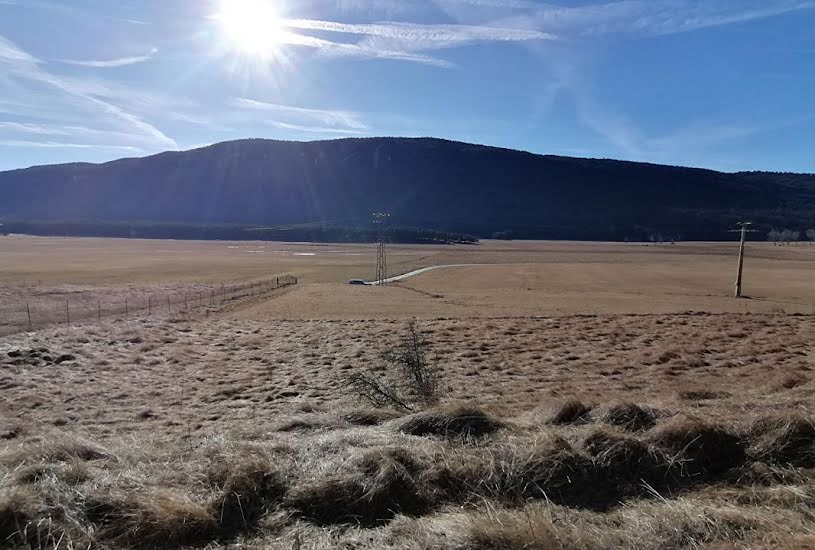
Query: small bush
x=413, y=379
x=572, y=412
x=630, y=417
x=452, y=422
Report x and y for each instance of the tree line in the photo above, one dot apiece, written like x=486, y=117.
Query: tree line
x=285, y=233
x=787, y=236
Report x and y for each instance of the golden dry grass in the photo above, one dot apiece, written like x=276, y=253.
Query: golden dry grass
x=616, y=417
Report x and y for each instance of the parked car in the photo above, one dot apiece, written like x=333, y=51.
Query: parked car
x=357, y=282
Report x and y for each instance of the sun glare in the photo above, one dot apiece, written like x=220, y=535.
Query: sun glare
x=252, y=27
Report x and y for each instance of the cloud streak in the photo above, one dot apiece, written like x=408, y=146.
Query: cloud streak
x=655, y=17
x=67, y=145
x=335, y=120
x=316, y=129
x=27, y=74
x=111, y=63
x=424, y=36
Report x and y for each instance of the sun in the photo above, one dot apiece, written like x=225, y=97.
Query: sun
x=253, y=27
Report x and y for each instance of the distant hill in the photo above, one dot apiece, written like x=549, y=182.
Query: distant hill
x=426, y=183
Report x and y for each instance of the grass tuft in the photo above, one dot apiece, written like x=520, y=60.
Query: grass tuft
x=571, y=412
x=630, y=417
x=369, y=417
x=384, y=483
x=19, y=507
x=507, y=531
x=249, y=491
x=785, y=440
x=157, y=520
x=699, y=449
x=451, y=422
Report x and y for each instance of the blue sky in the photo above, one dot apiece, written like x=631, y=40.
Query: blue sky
x=723, y=84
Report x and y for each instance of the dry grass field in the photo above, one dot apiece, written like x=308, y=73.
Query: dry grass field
x=591, y=396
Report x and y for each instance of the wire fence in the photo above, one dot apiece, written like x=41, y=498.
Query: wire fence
x=30, y=315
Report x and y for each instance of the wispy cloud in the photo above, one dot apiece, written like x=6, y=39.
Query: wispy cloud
x=32, y=81
x=522, y=21
x=401, y=41
x=424, y=36
x=10, y=53
x=315, y=129
x=634, y=17
x=76, y=132
x=329, y=120
x=112, y=63
x=68, y=145
x=656, y=17
x=698, y=15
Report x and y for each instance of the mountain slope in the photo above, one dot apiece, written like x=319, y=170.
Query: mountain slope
x=421, y=182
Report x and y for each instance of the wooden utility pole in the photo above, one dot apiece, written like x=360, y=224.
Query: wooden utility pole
x=744, y=228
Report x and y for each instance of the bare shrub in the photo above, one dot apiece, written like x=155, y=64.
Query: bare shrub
x=412, y=379
x=378, y=392
x=410, y=356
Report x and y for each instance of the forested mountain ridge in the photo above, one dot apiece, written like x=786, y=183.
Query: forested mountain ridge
x=422, y=182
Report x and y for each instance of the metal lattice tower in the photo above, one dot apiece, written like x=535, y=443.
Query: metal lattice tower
x=380, y=218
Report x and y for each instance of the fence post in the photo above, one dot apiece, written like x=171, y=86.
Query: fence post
x=99, y=311
x=28, y=310
x=67, y=312
x=126, y=311
x=149, y=306
x=185, y=300
x=169, y=309
x=211, y=296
